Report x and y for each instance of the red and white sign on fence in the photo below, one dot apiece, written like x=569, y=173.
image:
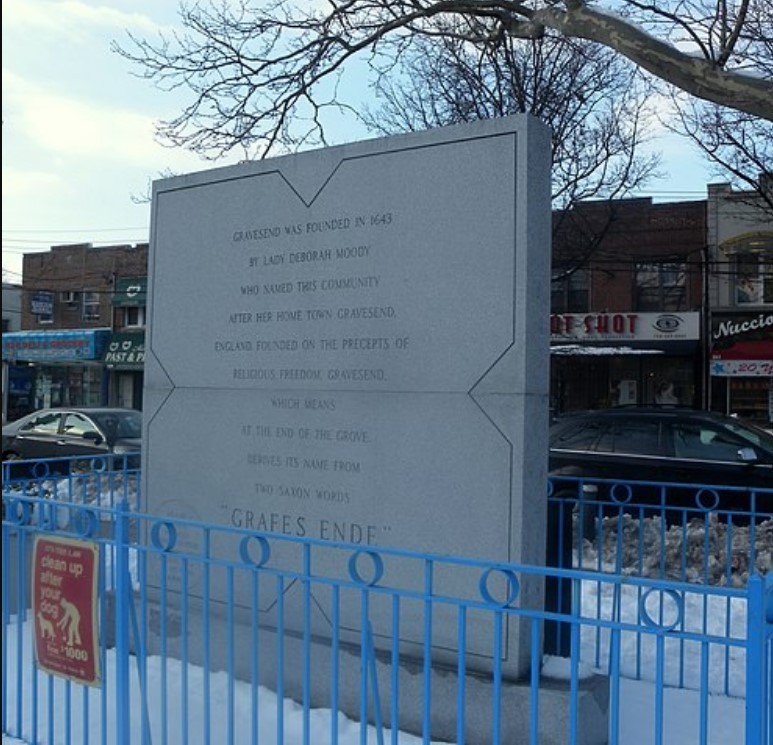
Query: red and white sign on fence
x=64, y=605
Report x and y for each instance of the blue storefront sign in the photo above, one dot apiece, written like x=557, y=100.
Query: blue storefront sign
x=42, y=303
x=21, y=381
x=55, y=346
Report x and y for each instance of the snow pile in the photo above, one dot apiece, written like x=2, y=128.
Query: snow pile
x=707, y=551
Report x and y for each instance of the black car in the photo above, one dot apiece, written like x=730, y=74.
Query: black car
x=663, y=444
x=67, y=432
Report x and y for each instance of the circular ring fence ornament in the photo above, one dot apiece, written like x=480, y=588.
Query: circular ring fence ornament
x=377, y=568
x=246, y=554
x=85, y=522
x=18, y=512
x=513, y=586
x=678, y=603
x=163, y=530
x=40, y=470
x=699, y=499
x=625, y=498
x=99, y=465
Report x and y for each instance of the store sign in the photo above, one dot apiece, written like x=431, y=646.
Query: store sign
x=126, y=350
x=42, y=303
x=64, y=607
x=130, y=292
x=742, y=368
x=590, y=327
x=33, y=346
x=740, y=338
x=731, y=328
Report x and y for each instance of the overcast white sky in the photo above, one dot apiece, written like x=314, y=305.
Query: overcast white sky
x=78, y=128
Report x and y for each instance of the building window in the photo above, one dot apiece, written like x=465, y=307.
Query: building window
x=753, y=280
x=661, y=286
x=569, y=294
x=134, y=317
x=90, y=305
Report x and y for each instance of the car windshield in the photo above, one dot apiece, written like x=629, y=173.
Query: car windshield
x=120, y=424
x=752, y=434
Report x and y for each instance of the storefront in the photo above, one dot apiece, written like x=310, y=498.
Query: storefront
x=125, y=353
x=55, y=368
x=20, y=390
x=600, y=360
x=742, y=365
x=125, y=360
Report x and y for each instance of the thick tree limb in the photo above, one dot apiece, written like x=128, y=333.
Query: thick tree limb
x=699, y=77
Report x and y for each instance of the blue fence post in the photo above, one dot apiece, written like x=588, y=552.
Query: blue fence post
x=755, y=659
x=122, y=609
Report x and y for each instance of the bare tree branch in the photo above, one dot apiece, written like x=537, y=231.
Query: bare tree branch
x=263, y=77
x=592, y=100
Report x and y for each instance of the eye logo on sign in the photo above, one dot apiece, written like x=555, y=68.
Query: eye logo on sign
x=667, y=323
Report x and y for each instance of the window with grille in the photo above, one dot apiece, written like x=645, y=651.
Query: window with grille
x=753, y=280
x=90, y=305
x=661, y=286
x=134, y=317
x=569, y=294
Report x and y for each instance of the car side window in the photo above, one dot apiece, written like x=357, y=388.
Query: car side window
x=47, y=423
x=77, y=424
x=579, y=436
x=633, y=438
x=699, y=442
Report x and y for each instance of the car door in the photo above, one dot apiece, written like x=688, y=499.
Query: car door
x=632, y=449
x=571, y=446
x=72, y=440
x=37, y=438
x=707, y=454
x=623, y=449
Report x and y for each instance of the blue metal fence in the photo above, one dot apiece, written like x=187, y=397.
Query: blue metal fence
x=395, y=638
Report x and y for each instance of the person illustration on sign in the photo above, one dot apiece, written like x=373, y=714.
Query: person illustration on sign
x=71, y=621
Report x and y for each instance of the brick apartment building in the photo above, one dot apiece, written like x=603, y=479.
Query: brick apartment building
x=627, y=292
x=82, y=329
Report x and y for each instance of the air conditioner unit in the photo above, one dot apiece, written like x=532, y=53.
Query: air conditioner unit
x=69, y=296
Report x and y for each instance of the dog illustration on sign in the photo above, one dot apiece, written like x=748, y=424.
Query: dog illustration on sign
x=46, y=627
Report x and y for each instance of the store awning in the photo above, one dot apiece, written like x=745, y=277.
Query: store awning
x=742, y=368
x=126, y=351
x=130, y=292
x=587, y=350
x=55, y=345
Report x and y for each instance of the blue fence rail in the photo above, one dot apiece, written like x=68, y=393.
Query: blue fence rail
x=395, y=638
x=662, y=530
